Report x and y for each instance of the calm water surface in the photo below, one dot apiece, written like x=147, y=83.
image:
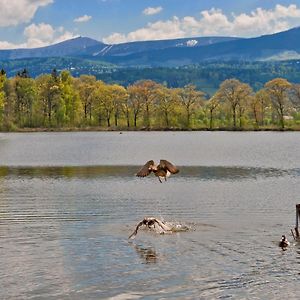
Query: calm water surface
x=68, y=202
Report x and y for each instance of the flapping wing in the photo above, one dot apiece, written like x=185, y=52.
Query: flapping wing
x=146, y=169
x=132, y=236
x=161, y=225
x=167, y=165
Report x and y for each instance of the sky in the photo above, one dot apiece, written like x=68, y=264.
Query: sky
x=38, y=23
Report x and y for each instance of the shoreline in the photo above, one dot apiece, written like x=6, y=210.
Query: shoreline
x=114, y=129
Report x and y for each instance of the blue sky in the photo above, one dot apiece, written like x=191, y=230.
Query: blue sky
x=36, y=23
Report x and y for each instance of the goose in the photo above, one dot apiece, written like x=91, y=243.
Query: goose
x=284, y=242
x=159, y=226
x=150, y=222
x=163, y=170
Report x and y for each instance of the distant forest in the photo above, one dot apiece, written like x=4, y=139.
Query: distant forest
x=215, y=96
x=206, y=76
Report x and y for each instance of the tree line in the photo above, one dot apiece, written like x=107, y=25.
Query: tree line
x=59, y=100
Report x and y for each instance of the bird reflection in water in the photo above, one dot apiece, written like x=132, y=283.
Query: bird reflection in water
x=147, y=254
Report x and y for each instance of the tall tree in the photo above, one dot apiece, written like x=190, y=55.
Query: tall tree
x=145, y=91
x=119, y=95
x=134, y=102
x=70, y=98
x=86, y=84
x=51, y=103
x=43, y=95
x=189, y=98
x=126, y=108
x=235, y=93
x=278, y=90
x=104, y=98
x=212, y=104
x=25, y=92
x=166, y=102
x=259, y=103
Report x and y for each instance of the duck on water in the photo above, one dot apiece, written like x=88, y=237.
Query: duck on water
x=284, y=243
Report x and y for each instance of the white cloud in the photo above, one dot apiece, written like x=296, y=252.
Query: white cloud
x=40, y=35
x=154, y=31
x=82, y=19
x=67, y=35
x=44, y=34
x=116, y=38
x=152, y=10
x=14, y=12
x=215, y=23
x=8, y=45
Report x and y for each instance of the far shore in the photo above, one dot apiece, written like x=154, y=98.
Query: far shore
x=143, y=129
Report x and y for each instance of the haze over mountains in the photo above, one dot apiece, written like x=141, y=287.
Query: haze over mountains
x=280, y=46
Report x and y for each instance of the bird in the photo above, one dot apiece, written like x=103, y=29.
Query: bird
x=150, y=222
x=284, y=243
x=163, y=170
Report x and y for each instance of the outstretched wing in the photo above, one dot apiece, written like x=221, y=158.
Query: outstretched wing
x=132, y=236
x=146, y=169
x=161, y=224
x=167, y=165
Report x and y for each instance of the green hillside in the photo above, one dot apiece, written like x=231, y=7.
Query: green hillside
x=206, y=76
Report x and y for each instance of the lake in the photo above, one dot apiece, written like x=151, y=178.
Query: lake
x=69, y=201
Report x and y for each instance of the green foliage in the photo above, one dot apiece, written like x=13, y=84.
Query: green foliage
x=58, y=100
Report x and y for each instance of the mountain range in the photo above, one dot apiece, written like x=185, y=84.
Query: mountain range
x=177, y=52
x=89, y=48
x=280, y=46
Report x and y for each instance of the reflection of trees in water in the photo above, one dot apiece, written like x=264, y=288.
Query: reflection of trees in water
x=147, y=254
x=233, y=173
x=202, y=172
x=3, y=171
x=68, y=172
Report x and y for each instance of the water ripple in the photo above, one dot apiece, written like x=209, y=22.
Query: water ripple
x=63, y=233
